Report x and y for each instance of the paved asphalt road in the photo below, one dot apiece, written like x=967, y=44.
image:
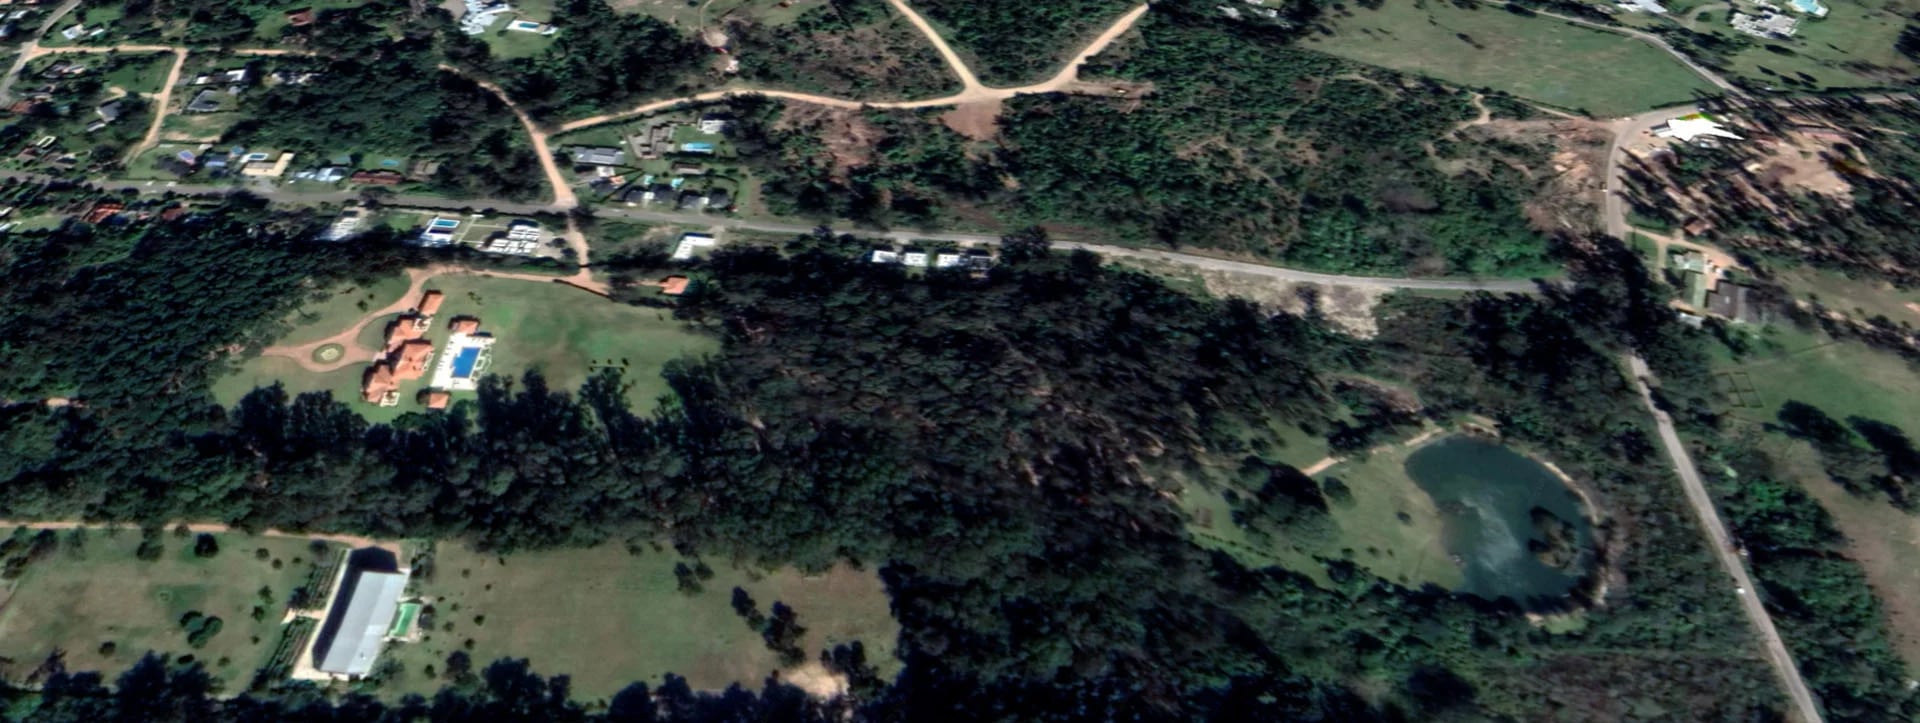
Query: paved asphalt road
x=1723, y=549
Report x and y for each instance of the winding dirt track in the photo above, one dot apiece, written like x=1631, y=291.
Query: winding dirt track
x=972, y=91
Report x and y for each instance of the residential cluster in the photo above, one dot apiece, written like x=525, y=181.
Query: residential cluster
x=1770, y=21
x=663, y=164
x=1709, y=292
x=407, y=355
x=974, y=260
x=483, y=14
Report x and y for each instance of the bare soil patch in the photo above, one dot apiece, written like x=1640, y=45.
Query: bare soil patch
x=1574, y=182
x=846, y=138
x=1807, y=163
x=1349, y=308
x=977, y=121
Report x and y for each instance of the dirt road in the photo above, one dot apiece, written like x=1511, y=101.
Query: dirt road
x=562, y=193
x=972, y=90
x=30, y=46
x=1776, y=649
x=160, y=103
x=354, y=541
x=968, y=82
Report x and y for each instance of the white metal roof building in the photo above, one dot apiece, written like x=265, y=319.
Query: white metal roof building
x=362, y=626
x=1689, y=128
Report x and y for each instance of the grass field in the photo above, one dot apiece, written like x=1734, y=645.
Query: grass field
x=1371, y=534
x=1883, y=539
x=342, y=307
x=200, y=126
x=1842, y=379
x=1861, y=298
x=564, y=332
x=74, y=602
x=609, y=618
x=1850, y=48
x=1537, y=58
x=264, y=371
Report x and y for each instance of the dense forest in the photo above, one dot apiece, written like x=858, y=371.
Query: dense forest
x=996, y=447
x=1013, y=42
x=845, y=48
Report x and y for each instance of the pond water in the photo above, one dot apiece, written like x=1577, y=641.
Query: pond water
x=1487, y=494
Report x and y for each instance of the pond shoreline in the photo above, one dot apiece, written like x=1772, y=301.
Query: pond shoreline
x=1591, y=592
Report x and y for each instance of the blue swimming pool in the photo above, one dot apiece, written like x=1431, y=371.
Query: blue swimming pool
x=464, y=361
x=1812, y=7
x=444, y=223
x=697, y=147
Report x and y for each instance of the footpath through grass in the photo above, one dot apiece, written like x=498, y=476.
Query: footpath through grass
x=1538, y=58
x=102, y=608
x=608, y=618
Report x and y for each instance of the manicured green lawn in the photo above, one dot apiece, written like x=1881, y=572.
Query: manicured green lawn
x=566, y=333
x=609, y=618
x=1537, y=58
x=1371, y=534
x=340, y=308
x=74, y=601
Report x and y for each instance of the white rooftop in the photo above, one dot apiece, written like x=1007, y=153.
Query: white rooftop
x=1691, y=127
x=362, y=627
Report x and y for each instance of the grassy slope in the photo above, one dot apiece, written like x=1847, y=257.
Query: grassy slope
x=1408, y=553
x=342, y=307
x=1842, y=379
x=1536, y=58
x=1862, y=298
x=609, y=618
x=74, y=602
x=555, y=328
